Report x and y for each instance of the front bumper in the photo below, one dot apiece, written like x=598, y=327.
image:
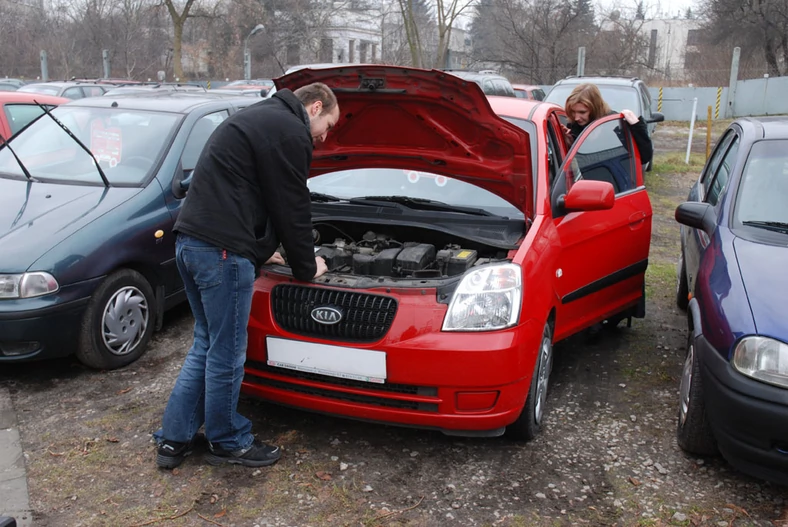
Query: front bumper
x=470, y=384
x=749, y=418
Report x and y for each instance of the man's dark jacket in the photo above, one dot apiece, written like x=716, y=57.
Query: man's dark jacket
x=249, y=192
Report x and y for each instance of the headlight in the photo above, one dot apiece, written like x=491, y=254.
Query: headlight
x=27, y=285
x=487, y=298
x=764, y=359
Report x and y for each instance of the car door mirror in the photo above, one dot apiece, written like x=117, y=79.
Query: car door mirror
x=181, y=182
x=656, y=117
x=589, y=195
x=697, y=215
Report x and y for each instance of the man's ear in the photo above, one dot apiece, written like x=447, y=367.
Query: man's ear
x=317, y=107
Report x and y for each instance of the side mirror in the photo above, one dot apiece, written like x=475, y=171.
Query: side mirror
x=656, y=117
x=181, y=182
x=697, y=215
x=589, y=195
x=5, y=521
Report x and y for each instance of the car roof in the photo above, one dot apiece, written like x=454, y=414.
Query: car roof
x=526, y=87
x=773, y=127
x=172, y=102
x=475, y=75
x=7, y=97
x=616, y=81
x=512, y=106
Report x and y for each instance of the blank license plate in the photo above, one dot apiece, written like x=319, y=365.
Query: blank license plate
x=336, y=361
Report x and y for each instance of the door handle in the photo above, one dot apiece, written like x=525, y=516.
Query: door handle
x=636, y=220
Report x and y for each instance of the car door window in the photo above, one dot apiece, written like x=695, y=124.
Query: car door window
x=720, y=180
x=93, y=91
x=646, y=98
x=553, y=153
x=605, y=154
x=73, y=93
x=714, y=162
x=538, y=94
x=199, y=135
x=488, y=88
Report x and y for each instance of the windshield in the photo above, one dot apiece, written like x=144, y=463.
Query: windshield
x=39, y=88
x=127, y=144
x=19, y=115
x=617, y=97
x=410, y=183
x=763, y=190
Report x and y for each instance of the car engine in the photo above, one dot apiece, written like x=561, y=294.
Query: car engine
x=377, y=254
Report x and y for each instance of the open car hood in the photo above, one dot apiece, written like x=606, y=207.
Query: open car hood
x=424, y=120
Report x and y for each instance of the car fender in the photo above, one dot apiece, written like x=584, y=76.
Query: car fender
x=693, y=313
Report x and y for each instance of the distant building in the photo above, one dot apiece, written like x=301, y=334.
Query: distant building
x=672, y=45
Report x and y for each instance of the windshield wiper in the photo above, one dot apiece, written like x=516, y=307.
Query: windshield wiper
x=76, y=139
x=318, y=196
x=778, y=226
x=421, y=204
x=21, y=165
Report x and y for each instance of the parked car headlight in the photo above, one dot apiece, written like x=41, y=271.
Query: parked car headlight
x=764, y=359
x=27, y=285
x=487, y=298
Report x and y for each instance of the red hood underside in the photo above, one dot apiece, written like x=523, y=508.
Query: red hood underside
x=425, y=120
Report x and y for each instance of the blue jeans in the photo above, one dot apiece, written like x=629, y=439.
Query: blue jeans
x=219, y=289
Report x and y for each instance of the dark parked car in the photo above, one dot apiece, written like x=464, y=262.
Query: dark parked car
x=88, y=259
x=9, y=84
x=732, y=281
x=68, y=89
x=490, y=82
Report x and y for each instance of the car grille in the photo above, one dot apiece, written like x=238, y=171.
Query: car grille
x=365, y=317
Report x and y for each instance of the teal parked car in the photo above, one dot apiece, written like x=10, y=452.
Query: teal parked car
x=87, y=253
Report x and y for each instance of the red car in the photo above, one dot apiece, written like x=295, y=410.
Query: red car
x=19, y=108
x=462, y=241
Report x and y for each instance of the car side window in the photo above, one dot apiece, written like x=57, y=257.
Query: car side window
x=538, y=94
x=720, y=180
x=714, y=161
x=604, y=156
x=73, y=93
x=488, y=87
x=199, y=136
x=553, y=154
x=646, y=98
x=92, y=91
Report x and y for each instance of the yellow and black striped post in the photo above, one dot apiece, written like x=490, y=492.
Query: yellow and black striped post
x=659, y=101
x=717, y=105
x=209, y=85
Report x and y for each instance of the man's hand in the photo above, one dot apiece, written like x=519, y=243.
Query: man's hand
x=276, y=258
x=630, y=116
x=321, y=266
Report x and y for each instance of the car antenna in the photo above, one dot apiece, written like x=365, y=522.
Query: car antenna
x=80, y=143
x=21, y=165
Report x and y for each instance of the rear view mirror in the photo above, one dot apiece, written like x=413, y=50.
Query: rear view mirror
x=181, y=182
x=656, y=117
x=697, y=215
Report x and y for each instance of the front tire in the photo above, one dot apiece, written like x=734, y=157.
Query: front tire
x=529, y=423
x=693, y=432
x=119, y=321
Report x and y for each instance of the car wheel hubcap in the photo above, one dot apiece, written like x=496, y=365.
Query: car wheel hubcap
x=686, y=382
x=125, y=320
x=545, y=367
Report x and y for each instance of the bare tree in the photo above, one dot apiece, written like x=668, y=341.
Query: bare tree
x=178, y=22
x=446, y=15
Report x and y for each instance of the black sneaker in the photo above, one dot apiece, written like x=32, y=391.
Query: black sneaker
x=258, y=454
x=170, y=454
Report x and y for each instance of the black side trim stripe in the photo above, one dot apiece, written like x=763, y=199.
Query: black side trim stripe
x=607, y=281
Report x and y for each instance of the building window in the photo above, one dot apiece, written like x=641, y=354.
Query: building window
x=374, y=57
x=351, y=51
x=693, y=37
x=362, y=51
x=326, y=50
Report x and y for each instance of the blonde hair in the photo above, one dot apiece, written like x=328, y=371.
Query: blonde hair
x=590, y=96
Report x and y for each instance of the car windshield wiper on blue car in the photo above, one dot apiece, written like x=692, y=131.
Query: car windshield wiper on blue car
x=778, y=226
x=420, y=204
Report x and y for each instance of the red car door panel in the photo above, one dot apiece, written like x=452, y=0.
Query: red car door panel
x=604, y=254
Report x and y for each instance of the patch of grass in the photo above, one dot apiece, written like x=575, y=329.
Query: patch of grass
x=674, y=163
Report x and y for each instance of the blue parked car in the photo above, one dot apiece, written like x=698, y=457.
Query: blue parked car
x=733, y=282
x=87, y=264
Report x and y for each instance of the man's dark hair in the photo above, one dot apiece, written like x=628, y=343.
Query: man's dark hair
x=317, y=91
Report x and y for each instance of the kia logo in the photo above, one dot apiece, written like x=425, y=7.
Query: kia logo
x=326, y=315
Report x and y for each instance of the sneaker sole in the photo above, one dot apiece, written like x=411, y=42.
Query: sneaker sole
x=215, y=460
